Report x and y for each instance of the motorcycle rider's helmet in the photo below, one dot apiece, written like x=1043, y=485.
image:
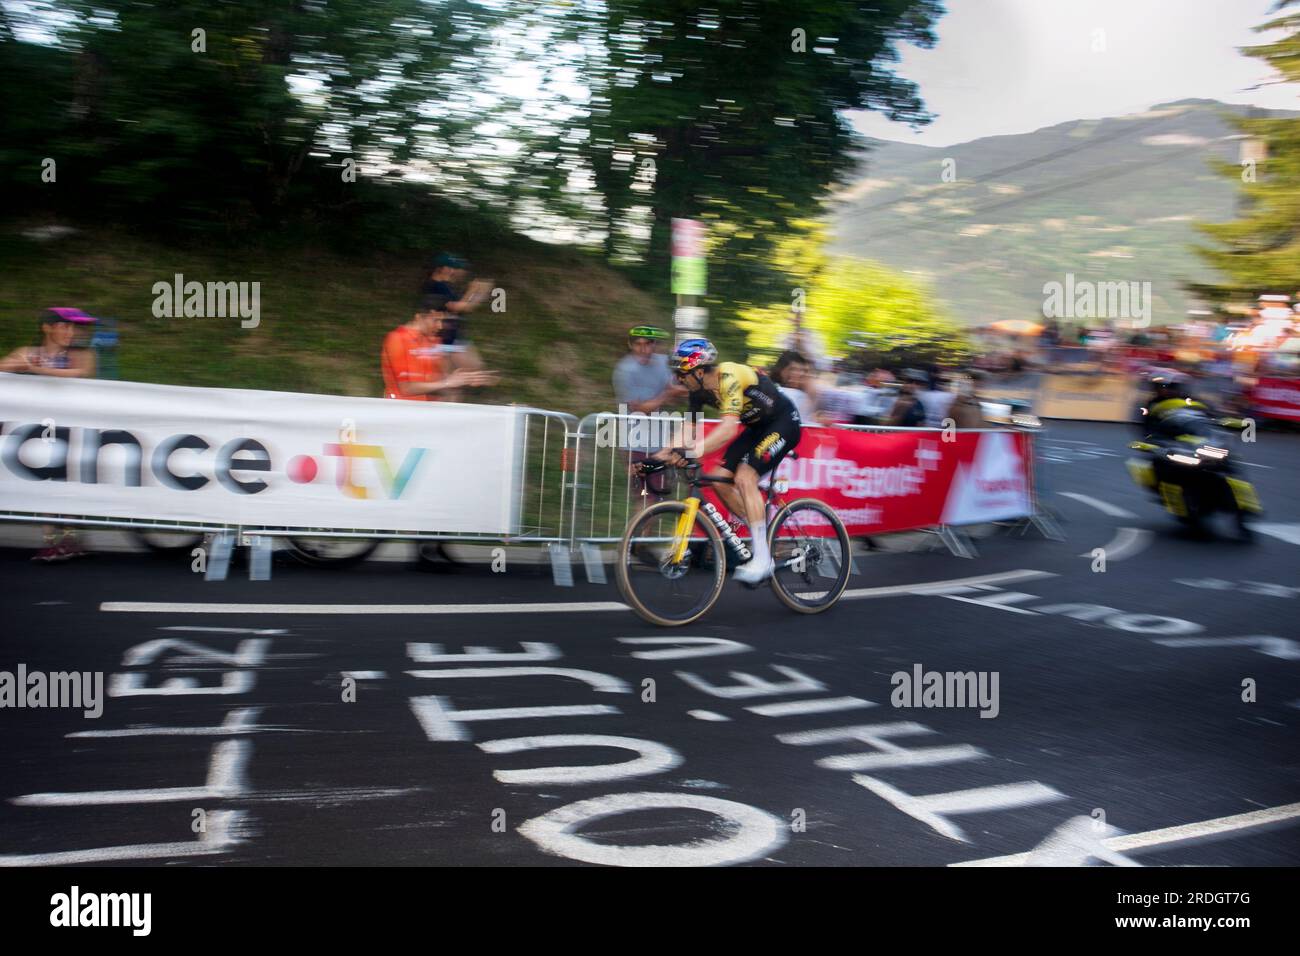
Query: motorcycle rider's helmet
x=1167, y=384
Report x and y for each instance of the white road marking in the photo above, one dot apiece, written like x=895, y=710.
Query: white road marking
x=696, y=647
x=652, y=758
x=1290, y=533
x=1105, y=507
x=441, y=721
x=226, y=778
x=163, y=607
x=221, y=835
x=242, y=720
x=924, y=757
x=1002, y=601
x=1172, y=836
x=791, y=708
x=551, y=607
x=935, y=808
x=750, y=833
x=605, y=683
x=1280, y=647
x=938, y=587
x=226, y=630
x=706, y=715
x=1126, y=543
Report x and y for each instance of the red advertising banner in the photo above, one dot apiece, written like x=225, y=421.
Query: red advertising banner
x=894, y=481
x=1276, y=398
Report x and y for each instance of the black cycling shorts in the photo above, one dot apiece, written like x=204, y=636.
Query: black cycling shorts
x=763, y=446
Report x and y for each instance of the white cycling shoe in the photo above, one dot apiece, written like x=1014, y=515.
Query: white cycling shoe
x=752, y=572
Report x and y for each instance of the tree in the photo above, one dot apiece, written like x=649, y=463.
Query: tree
x=1260, y=251
x=735, y=114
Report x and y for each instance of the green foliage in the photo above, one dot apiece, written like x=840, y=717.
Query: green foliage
x=734, y=114
x=856, y=305
x=1259, y=252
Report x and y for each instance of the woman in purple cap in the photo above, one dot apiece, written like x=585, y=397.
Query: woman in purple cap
x=56, y=356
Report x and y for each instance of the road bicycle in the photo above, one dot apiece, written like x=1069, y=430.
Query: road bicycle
x=672, y=561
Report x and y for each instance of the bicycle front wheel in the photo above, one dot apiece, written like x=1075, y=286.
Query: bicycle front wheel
x=813, y=556
x=662, y=590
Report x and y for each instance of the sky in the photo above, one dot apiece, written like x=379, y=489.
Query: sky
x=1013, y=66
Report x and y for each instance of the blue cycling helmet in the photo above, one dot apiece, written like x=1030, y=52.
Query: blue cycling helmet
x=692, y=354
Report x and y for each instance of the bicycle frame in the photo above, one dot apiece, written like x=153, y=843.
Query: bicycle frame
x=695, y=502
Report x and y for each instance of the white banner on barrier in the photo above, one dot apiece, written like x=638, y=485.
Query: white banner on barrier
x=275, y=459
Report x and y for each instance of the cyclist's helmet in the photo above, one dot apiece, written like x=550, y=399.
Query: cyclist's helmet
x=646, y=332
x=692, y=354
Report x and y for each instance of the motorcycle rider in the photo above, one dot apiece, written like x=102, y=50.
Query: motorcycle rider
x=1170, y=409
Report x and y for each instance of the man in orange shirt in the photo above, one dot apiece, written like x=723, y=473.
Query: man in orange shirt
x=412, y=361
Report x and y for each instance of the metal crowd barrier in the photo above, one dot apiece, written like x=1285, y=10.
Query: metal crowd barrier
x=542, y=506
x=605, y=495
x=575, y=493
x=957, y=541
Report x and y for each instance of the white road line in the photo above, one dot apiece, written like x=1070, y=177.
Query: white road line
x=1105, y=507
x=1001, y=602
x=163, y=607
x=553, y=607
x=1126, y=543
x=1290, y=533
x=221, y=836
x=1171, y=836
x=824, y=705
x=937, y=587
x=226, y=630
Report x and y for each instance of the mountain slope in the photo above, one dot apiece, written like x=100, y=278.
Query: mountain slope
x=1107, y=200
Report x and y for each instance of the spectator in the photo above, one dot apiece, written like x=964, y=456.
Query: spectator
x=807, y=342
x=966, y=410
x=642, y=381
x=908, y=412
x=60, y=357
x=936, y=401
x=792, y=374
x=877, y=398
x=412, y=361
x=643, y=385
x=449, y=278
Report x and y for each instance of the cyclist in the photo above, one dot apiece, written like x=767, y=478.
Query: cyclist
x=759, y=427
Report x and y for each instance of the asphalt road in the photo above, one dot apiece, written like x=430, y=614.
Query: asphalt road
x=757, y=736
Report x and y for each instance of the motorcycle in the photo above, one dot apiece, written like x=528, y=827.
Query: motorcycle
x=1193, y=476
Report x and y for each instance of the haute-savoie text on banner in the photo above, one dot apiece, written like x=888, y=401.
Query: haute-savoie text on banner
x=894, y=481
x=270, y=459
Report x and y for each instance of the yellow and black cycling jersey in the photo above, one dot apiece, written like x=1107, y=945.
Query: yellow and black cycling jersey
x=743, y=392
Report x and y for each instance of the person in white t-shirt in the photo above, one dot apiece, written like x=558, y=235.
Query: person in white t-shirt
x=792, y=374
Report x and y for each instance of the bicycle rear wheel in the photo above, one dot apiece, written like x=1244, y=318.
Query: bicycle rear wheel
x=660, y=590
x=813, y=556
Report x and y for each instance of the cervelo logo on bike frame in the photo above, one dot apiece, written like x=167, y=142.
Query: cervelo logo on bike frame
x=725, y=529
x=75, y=453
